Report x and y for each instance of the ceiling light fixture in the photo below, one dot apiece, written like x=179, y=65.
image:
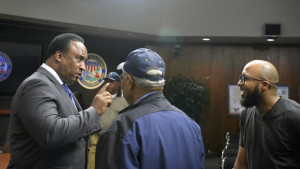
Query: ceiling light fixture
x=271, y=39
x=206, y=39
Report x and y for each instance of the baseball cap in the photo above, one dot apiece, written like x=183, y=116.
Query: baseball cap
x=144, y=63
x=120, y=66
x=113, y=76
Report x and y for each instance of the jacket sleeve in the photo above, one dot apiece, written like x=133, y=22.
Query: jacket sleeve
x=115, y=152
x=202, y=152
x=45, y=114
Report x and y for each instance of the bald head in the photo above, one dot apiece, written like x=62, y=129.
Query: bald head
x=262, y=69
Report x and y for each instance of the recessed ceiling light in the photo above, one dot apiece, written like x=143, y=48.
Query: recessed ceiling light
x=271, y=39
x=206, y=39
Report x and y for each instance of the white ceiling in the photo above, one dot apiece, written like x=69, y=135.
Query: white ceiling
x=225, y=21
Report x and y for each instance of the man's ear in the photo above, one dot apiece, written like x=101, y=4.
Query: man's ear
x=58, y=56
x=266, y=85
x=130, y=82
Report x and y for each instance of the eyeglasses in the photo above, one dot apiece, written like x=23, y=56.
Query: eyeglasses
x=245, y=77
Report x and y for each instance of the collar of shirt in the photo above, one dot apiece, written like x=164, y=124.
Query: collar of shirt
x=114, y=95
x=145, y=96
x=53, y=72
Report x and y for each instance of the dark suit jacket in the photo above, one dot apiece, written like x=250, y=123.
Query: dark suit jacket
x=47, y=131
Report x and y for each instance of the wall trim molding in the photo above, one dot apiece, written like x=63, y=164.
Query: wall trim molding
x=4, y=111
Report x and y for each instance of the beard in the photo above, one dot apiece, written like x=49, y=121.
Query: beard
x=251, y=99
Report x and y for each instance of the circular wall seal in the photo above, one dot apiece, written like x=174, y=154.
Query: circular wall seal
x=95, y=71
x=5, y=66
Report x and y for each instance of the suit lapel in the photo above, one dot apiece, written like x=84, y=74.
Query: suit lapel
x=61, y=89
x=77, y=103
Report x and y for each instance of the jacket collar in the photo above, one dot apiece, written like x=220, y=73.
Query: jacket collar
x=148, y=98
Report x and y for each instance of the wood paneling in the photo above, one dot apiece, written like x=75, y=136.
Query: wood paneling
x=4, y=160
x=220, y=65
x=4, y=111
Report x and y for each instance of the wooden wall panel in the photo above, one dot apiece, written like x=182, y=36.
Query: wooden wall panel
x=220, y=65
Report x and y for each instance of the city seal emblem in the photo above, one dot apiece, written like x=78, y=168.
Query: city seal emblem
x=5, y=66
x=95, y=71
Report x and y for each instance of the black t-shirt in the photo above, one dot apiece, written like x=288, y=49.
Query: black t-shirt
x=272, y=141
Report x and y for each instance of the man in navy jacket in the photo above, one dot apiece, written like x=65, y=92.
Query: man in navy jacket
x=150, y=133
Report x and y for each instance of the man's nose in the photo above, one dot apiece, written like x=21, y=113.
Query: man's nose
x=82, y=66
x=239, y=83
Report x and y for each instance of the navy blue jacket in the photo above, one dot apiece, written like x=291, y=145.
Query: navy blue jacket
x=151, y=134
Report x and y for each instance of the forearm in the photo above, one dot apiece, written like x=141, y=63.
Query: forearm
x=241, y=160
x=239, y=165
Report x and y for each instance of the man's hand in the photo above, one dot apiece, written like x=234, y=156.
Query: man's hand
x=102, y=100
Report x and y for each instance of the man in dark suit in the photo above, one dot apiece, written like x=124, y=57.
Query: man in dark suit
x=49, y=129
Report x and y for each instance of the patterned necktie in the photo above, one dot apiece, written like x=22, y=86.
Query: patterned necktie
x=69, y=93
